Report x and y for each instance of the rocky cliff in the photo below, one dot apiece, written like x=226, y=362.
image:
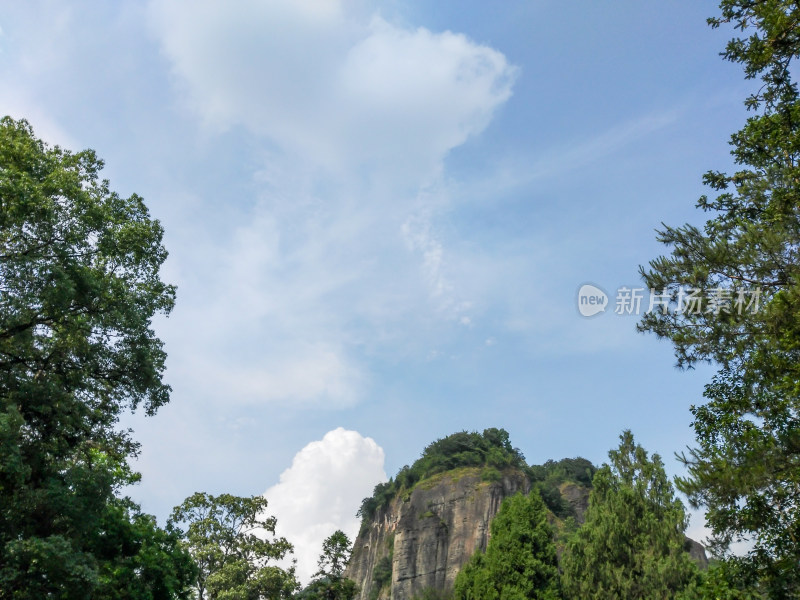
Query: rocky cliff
x=426, y=535
x=423, y=537
x=422, y=526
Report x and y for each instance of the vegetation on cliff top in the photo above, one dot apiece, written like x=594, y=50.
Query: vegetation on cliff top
x=491, y=450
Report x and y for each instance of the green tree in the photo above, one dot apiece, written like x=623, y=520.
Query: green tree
x=520, y=560
x=330, y=582
x=632, y=544
x=719, y=582
x=157, y=568
x=233, y=545
x=79, y=286
x=745, y=468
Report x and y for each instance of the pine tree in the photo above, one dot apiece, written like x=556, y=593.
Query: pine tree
x=632, y=544
x=745, y=469
x=520, y=560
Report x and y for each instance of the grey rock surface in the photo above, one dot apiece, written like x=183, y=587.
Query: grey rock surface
x=431, y=532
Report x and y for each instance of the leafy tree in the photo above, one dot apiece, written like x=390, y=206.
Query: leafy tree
x=520, y=560
x=330, y=582
x=227, y=537
x=79, y=286
x=577, y=469
x=745, y=468
x=131, y=558
x=158, y=569
x=719, y=582
x=335, y=554
x=632, y=544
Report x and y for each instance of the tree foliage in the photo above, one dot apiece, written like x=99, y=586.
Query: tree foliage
x=720, y=582
x=549, y=477
x=578, y=470
x=632, y=544
x=233, y=545
x=330, y=582
x=520, y=560
x=745, y=468
x=79, y=286
x=335, y=553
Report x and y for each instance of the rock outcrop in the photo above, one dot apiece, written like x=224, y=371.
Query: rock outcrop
x=429, y=533
x=697, y=552
x=578, y=498
x=424, y=536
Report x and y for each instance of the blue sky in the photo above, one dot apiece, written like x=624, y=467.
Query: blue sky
x=378, y=216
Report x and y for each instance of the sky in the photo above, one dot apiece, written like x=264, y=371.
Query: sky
x=378, y=217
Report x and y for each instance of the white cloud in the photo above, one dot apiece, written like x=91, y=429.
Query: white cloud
x=420, y=238
x=338, y=89
x=296, y=374
x=322, y=490
x=358, y=114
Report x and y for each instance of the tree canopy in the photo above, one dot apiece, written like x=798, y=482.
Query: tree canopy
x=330, y=582
x=632, y=543
x=520, y=560
x=79, y=286
x=745, y=468
x=234, y=547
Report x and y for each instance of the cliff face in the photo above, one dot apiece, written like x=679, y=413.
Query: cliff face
x=423, y=538
x=578, y=498
x=698, y=553
x=429, y=534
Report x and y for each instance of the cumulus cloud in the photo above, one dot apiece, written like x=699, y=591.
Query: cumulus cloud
x=339, y=88
x=322, y=490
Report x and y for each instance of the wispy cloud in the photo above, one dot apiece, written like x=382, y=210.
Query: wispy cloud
x=339, y=252
x=513, y=173
x=566, y=159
